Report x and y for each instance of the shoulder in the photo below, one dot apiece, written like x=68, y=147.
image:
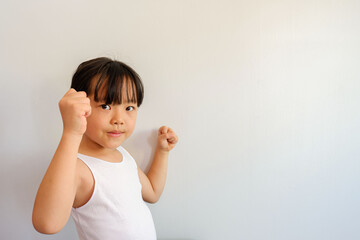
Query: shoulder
x=126, y=155
x=124, y=152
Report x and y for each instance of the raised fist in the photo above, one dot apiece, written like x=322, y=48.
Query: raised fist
x=75, y=108
x=167, y=138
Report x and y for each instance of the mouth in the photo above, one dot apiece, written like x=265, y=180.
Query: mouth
x=115, y=133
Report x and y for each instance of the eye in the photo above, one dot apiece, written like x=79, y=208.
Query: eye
x=105, y=107
x=130, y=108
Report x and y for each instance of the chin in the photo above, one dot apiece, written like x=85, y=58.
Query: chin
x=113, y=146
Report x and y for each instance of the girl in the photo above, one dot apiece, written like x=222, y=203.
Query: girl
x=90, y=175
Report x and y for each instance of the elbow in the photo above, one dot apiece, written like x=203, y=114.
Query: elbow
x=45, y=227
x=152, y=199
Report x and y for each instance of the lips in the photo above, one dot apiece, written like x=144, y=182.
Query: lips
x=115, y=133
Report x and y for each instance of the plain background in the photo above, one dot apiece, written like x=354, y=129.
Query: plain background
x=264, y=96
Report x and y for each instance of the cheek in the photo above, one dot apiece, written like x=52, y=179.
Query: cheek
x=132, y=122
x=134, y=119
x=94, y=122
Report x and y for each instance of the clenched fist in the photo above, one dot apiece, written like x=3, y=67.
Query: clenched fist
x=75, y=108
x=167, y=138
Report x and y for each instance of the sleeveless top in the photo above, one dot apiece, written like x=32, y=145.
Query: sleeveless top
x=116, y=210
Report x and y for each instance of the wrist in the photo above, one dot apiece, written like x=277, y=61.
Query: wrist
x=162, y=150
x=70, y=136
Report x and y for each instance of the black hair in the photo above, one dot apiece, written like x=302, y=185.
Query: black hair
x=110, y=75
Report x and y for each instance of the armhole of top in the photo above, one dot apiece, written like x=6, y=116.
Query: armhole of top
x=94, y=189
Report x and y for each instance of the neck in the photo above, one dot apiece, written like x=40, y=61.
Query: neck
x=88, y=147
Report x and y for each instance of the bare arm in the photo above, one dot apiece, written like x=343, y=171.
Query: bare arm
x=153, y=182
x=57, y=190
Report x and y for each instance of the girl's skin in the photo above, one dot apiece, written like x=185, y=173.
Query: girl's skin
x=94, y=129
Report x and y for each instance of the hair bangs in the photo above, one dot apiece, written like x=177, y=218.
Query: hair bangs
x=117, y=85
x=109, y=80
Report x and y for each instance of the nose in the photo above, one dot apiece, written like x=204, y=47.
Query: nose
x=117, y=118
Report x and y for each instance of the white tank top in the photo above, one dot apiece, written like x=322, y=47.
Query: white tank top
x=116, y=210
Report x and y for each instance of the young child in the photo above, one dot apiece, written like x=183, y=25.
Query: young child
x=91, y=176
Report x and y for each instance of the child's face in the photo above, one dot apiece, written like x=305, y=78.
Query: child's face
x=108, y=126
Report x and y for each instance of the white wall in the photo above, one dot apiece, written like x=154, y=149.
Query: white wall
x=264, y=96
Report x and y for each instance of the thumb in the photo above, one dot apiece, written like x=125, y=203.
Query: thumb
x=163, y=130
x=71, y=90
